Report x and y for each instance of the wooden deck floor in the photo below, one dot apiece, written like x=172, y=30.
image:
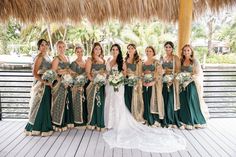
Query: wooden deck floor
x=219, y=139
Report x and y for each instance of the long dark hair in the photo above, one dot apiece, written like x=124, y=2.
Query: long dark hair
x=182, y=59
x=136, y=56
x=92, y=53
x=119, y=59
x=40, y=42
x=169, y=43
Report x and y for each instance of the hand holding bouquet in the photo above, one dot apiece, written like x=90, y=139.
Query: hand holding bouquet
x=132, y=80
x=49, y=76
x=99, y=80
x=184, y=79
x=67, y=80
x=168, y=79
x=80, y=80
x=147, y=78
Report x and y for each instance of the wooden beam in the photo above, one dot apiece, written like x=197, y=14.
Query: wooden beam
x=184, y=23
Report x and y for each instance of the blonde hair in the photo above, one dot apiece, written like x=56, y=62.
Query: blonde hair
x=60, y=42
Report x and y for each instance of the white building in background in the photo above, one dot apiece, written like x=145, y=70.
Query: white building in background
x=220, y=47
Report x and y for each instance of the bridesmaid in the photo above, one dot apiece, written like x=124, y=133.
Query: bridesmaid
x=40, y=102
x=96, y=95
x=152, y=91
x=170, y=91
x=62, y=112
x=133, y=94
x=191, y=101
x=79, y=101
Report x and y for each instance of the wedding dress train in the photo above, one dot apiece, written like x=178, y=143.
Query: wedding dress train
x=125, y=132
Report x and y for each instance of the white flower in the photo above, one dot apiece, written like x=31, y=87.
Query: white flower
x=49, y=76
x=67, y=79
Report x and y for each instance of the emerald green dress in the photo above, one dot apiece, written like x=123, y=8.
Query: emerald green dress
x=96, y=99
x=171, y=116
x=40, y=116
x=62, y=109
x=129, y=89
x=79, y=99
x=147, y=93
x=190, y=112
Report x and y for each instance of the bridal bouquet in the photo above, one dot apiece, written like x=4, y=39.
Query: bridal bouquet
x=132, y=80
x=147, y=78
x=67, y=80
x=100, y=80
x=49, y=75
x=80, y=80
x=115, y=80
x=183, y=77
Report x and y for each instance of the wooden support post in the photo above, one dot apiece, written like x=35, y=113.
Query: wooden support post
x=184, y=23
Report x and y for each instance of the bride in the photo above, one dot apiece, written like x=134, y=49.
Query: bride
x=123, y=130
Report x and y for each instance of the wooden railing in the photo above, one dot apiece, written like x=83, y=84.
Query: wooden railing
x=219, y=92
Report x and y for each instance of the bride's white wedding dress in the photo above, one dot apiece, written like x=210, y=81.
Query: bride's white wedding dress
x=125, y=132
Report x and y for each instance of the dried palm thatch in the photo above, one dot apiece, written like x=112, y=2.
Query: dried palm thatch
x=99, y=11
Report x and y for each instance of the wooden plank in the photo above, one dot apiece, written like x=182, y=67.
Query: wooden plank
x=219, y=140
x=66, y=143
x=118, y=152
x=16, y=79
x=4, y=125
x=190, y=150
x=204, y=143
x=12, y=145
x=219, y=83
x=3, y=84
x=221, y=110
x=34, y=150
x=221, y=105
x=201, y=150
x=29, y=146
x=8, y=133
x=216, y=147
x=127, y=152
x=57, y=144
x=20, y=146
x=226, y=123
x=75, y=143
x=224, y=115
x=216, y=73
x=220, y=99
x=146, y=154
x=136, y=153
x=226, y=89
x=155, y=155
x=221, y=128
x=90, y=151
x=100, y=148
x=165, y=155
x=11, y=137
x=16, y=89
x=25, y=148
x=7, y=128
x=108, y=152
x=84, y=143
x=218, y=78
x=48, y=144
x=16, y=94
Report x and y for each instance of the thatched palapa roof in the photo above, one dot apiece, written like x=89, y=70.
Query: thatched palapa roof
x=99, y=11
